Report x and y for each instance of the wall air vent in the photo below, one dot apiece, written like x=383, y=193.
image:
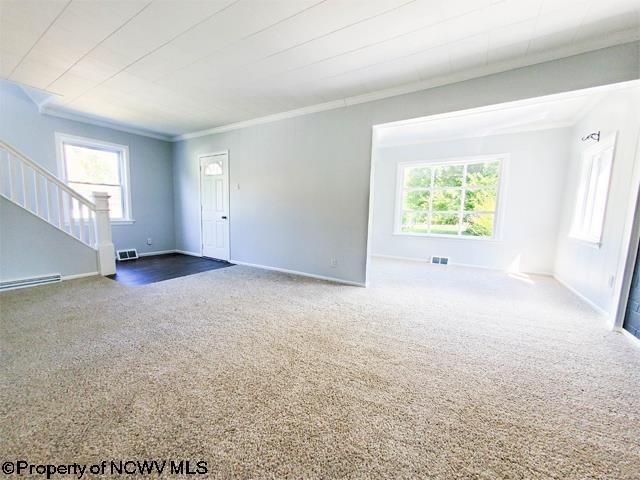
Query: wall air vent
x=440, y=260
x=129, y=254
x=29, y=282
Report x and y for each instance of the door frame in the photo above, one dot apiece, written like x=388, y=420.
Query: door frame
x=200, y=157
x=630, y=245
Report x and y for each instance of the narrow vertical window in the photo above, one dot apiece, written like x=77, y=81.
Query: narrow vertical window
x=593, y=191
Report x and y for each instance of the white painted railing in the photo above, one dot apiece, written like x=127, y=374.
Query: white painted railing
x=38, y=191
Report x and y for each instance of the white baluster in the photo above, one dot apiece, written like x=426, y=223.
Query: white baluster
x=104, y=242
x=92, y=231
x=12, y=178
x=48, y=194
x=60, y=209
x=82, y=232
x=72, y=221
x=24, y=186
x=36, y=191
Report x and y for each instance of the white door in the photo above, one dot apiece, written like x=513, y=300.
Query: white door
x=214, y=189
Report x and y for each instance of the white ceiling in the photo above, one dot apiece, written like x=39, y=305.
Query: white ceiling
x=534, y=114
x=178, y=66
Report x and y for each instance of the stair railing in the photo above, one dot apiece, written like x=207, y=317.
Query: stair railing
x=32, y=187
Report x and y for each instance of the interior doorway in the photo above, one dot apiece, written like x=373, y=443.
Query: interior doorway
x=214, y=205
x=440, y=194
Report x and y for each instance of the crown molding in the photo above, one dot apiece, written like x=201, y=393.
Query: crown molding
x=498, y=133
x=618, y=38
x=101, y=122
x=39, y=97
x=46, y=105
x=45, y=102
x=320, y=107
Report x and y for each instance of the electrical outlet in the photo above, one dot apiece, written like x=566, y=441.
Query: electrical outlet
x=149, y=241
x=333, y=261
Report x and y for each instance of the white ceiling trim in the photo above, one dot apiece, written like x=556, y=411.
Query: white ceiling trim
x=536, y=128
x=49, y=107
x=39, y=97
x=102, y=122
x=595, y=94
x=576, y=49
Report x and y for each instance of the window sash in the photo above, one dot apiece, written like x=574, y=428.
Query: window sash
x=593, y=192
x=121, y=152
x=461, y=212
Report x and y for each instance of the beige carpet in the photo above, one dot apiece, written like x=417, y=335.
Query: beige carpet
x=433, y=372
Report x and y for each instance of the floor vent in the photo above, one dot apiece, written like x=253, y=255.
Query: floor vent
x=130, y=254
x=440, y=260
x=29, y=282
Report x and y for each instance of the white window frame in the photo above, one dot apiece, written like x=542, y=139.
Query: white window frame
x=503, y=158
x=586, y=164
x=123, y=152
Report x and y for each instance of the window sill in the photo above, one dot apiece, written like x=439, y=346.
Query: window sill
x=122, y=222
x=450, y=237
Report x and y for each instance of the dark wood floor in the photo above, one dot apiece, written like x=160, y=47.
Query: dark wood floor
x=163, y=267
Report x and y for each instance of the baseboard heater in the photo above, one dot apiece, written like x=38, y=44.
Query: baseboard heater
x=29, y=282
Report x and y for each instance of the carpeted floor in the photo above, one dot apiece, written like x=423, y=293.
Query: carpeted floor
x=432, y=372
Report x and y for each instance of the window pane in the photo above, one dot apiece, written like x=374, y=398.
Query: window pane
x=602, y=187
x=448, y=176
x=415, y=222
x=416, y=200
x=483, y=174
x=115, y=200
x=592, y=195
x=214, y=168
x=417, y=177
x=445, y=223
x=478, y=224
x=446, y=200
x=91, y=165
x=480, y=200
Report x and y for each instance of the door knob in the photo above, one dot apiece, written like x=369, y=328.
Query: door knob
x=224, y=217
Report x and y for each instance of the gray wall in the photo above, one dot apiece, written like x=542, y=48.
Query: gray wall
x=304, y=182
x=589, y=270
x=531, y=195
x=30, y=247
x=150, y=166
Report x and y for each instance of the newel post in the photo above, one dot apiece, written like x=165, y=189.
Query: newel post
x=104, y=242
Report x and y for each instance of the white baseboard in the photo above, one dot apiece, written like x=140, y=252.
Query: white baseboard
x=185, y=252
x=159, y=252
x=635, y=341
x=302, y=274
x=395, y=257
x=466, y=265
x=165, y=252
x=79, y=275
x=593, y=305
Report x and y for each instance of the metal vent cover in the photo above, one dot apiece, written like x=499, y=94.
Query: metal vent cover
x=128, y=254
x=440, y=260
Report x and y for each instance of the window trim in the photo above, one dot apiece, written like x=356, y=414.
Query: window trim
x=503, y=158
x=610, y=141
x=123, y=151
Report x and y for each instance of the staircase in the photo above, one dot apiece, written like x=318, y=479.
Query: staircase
x=30, y=186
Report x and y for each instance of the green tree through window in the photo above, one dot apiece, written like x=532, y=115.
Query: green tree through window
x=450, y=199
